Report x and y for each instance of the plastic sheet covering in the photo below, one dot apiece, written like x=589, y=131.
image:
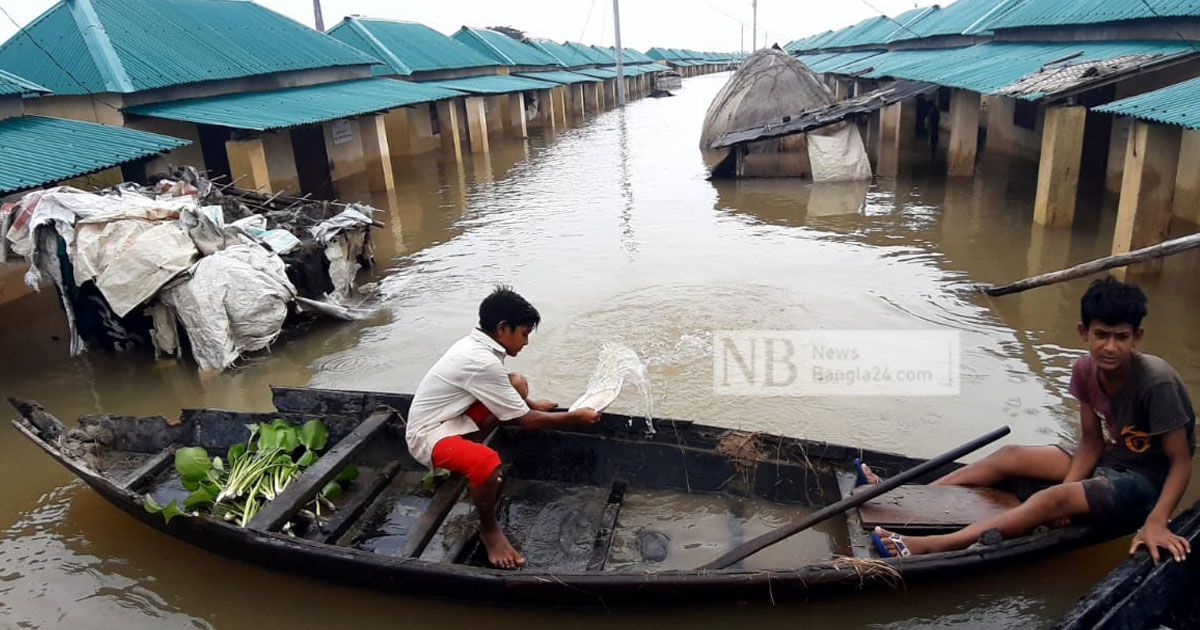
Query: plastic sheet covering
x=153, y=258
x=234, y=302
x=837, y=154
x=165, y=334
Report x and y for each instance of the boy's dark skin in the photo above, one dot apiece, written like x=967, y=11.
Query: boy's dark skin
x=1112, y=348
x=500, y=552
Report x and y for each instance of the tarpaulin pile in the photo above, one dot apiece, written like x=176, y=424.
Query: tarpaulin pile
x=133, y=264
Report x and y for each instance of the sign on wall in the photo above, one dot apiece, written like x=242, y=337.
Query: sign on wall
x=342, y=131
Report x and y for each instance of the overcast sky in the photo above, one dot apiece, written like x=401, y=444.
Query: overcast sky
x=697, y=24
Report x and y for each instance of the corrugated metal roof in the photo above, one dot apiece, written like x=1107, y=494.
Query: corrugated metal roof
x=952, y=19
x=870, y=28
x=568, y=57
x=503, y=48
x=594, y=56
x=629, y=71
x=628, y=55
x=662, y=54
x=609, y=56
x=993, y=66
x=655, y=67
x=494, y=84
x=37, y=151
x=132, y=45
x=561, y=77
x=599, y=73
x=1177, y=104
x=408, y=47
x=1061, y=12
x=291, y=107
x=11, y=84
x=830, y=62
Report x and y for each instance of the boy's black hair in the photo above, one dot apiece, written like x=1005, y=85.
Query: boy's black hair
x=1113, y=302
x=506, y=305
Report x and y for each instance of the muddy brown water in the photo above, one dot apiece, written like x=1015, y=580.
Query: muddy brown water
x=611, y=229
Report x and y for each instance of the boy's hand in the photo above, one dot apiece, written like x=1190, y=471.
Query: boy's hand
x=542, y=405
x=586, y=416
x=1154, y=535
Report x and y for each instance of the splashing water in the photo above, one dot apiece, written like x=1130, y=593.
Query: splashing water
x=616, y=364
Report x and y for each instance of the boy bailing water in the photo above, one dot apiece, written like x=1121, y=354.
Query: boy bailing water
x=468, y=391
x=1132, y=463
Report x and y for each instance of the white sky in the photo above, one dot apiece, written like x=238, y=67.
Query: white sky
x=697, y=24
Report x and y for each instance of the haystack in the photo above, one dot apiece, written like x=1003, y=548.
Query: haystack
x=769, y=86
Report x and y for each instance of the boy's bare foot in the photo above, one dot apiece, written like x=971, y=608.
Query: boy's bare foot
x=501, y=553
x=872, y=478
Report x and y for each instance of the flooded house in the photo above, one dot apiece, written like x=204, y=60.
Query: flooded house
x=1029, y=80
x=264, y=101
x=31, y=149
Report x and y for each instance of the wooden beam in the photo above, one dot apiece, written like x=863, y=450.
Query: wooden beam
x=608, y=527
x=149, y=469
x=347, y=514
x=305, y=487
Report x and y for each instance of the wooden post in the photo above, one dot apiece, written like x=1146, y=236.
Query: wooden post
x=1144, y=211
x=560, y=105
x=1058, y=168
x=1186, y=204
x=377, y=158
x=448, y=129
x=516, y=115
x=248, y=164
x=477, y=131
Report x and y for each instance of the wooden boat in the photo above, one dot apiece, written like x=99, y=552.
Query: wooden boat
x=604, y=514
x=667, y=81
x=1138, y=594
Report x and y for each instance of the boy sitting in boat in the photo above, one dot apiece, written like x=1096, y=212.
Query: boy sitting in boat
x=1132, y=463
x=469, y=391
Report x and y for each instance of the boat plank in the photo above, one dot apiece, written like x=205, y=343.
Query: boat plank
x=608, y=527
x=860, y=541
x=305, y=487
x=439, y=508
x=348, y=513
x=149, y=470
x=920, y=507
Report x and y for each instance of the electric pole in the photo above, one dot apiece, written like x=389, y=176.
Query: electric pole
x=754, y=36
x=320, y=21
x=620, y=61
x=742, y=41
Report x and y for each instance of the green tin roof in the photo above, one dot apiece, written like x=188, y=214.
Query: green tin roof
x=291, y=107
x=609, y=57
x=961, y=17
x=1061, y=12
x=1177, y=104
x=407, y=47
x=628, y=55
x=493, y=84
x=594, y=56
x=13, y=85
x=829, y=62
x=133, y=45
x=599, y=73
x=562, y=77
x=37, y=151
x=991, y=67
x=503, y=48
x=662, y=54
x=566, y=56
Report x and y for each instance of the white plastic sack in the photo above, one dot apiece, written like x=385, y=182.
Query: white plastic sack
x=836, y=154
x=153, y=258
x=234, y=302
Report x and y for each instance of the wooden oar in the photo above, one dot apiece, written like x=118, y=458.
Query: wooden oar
x=754, y=545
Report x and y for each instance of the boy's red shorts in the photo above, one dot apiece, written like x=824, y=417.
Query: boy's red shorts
x=470, y=459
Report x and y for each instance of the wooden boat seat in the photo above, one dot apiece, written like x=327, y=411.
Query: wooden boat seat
x=933, y=508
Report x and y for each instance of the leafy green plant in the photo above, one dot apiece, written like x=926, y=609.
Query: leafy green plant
x=253, y=472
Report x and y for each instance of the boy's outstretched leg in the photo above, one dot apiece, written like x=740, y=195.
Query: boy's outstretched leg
x=1056, y=502
x=501, y=553
x=1043, y=463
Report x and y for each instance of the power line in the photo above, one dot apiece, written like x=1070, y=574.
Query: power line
x=891, y=19
x=1177, y=33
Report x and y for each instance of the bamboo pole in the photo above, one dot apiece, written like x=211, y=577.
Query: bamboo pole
x=1165, y=248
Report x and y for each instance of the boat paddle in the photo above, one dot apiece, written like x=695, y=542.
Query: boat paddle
x=754, y=545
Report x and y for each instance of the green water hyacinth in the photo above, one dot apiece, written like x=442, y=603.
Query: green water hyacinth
x=253, y=472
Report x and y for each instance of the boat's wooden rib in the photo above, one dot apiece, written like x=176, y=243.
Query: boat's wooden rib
x=439, y=508
x=608, y=528
x=305, y=487
x=149, y=470
x=349, y=512
x=860, y=541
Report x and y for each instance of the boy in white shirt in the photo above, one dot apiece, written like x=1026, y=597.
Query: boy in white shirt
x=469, y=389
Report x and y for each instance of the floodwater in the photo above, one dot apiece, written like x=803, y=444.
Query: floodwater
x=611, y=229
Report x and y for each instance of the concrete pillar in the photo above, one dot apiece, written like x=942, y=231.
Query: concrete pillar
x=545, y=111
x=400, y=131
x=1186, y=203
x=281, y=162
x=560, y=106
x=516, y=115
x=449, y=129
x=1118, y=140
x=897, y=130
x=477, y=126
x=602, y=94
x=964, y=131
x=610, y=93
x=1144, y=212
x=594, y=98
x=1058, y=168
x=873, y=136
x=377, y=157
x=495, y=108
x=248, y=164
x=578, y=101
